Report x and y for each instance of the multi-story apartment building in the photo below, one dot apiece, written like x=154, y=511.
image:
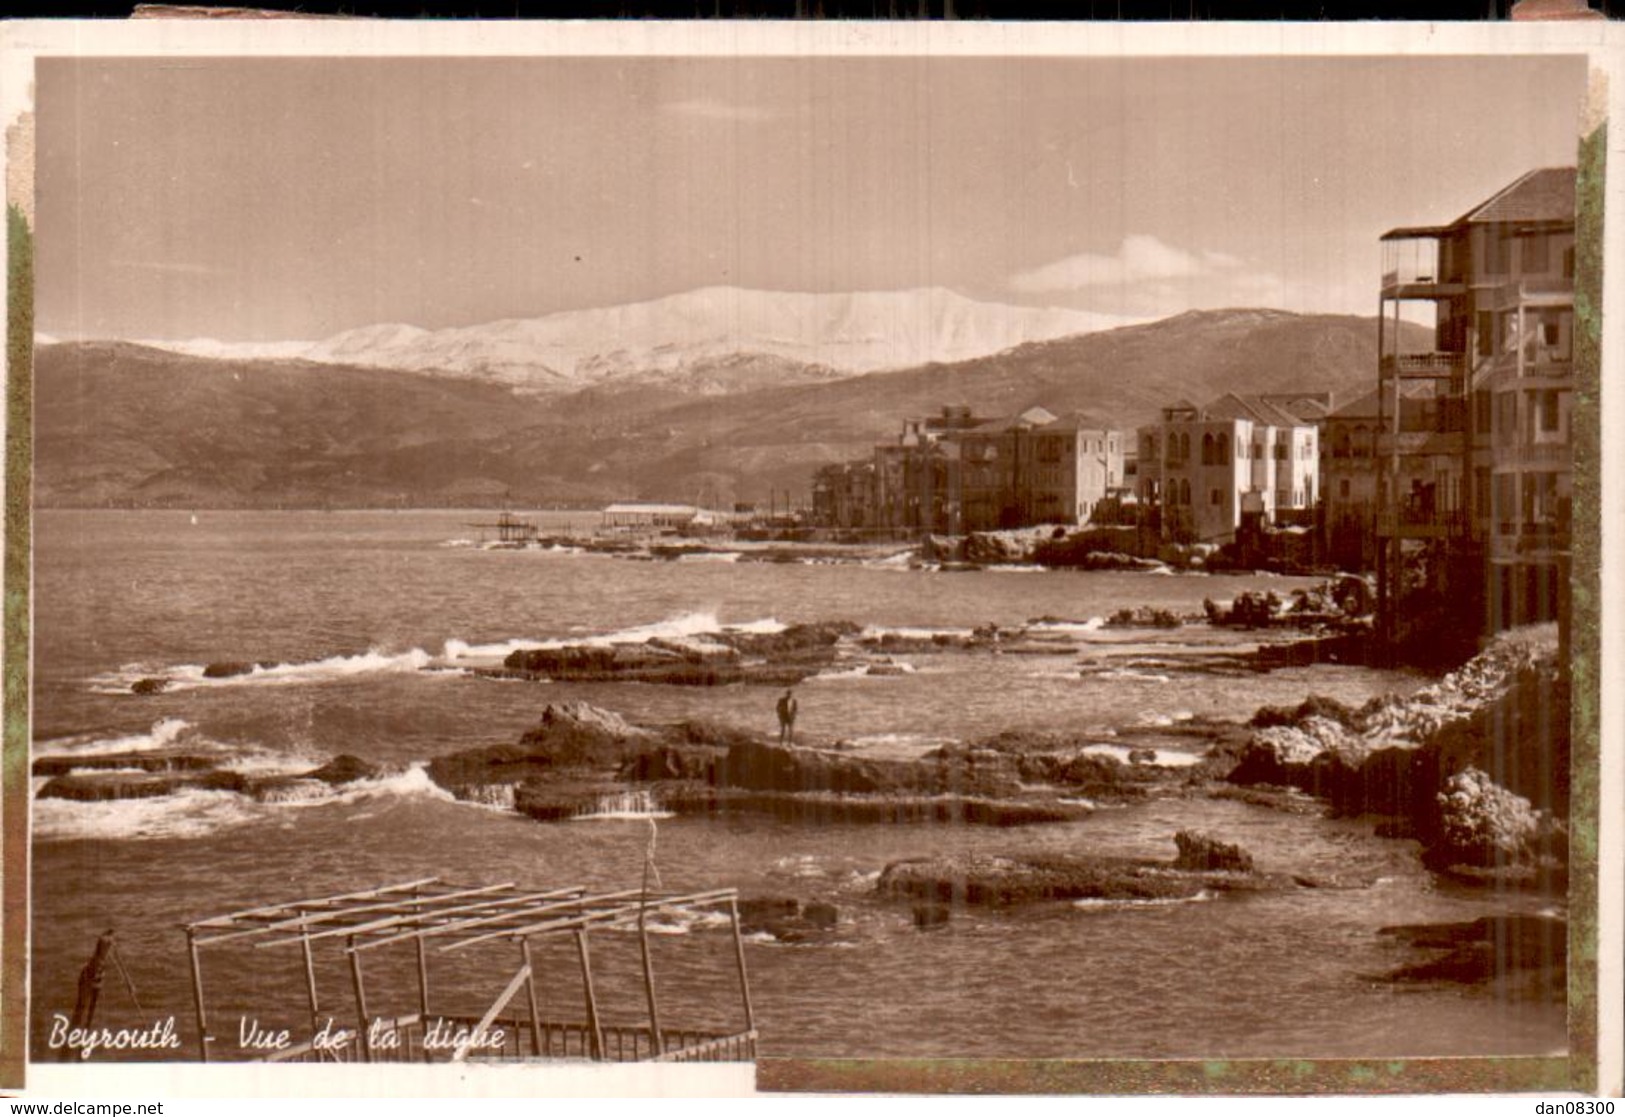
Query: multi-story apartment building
x=1356, y=445
x=1496, y=487
x=1203, y=468
x=955, y=472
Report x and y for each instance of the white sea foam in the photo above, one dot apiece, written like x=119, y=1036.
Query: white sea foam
x=685, y=624
x=1146, y=902
x=900, y=561
x=1165, y=758
x=189, y=676
x=876, y=631
x=185, y=814
x=710, y=556
x=1123, y=674
x=195, y=813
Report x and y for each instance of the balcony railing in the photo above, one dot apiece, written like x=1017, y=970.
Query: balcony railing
x=1428, y=366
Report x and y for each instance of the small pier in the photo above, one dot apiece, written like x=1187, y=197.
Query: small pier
x=439, y=918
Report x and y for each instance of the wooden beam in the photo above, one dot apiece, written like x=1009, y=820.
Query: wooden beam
x=361, y=1006
x=593, y=1025
x=225, y=920
x=497, y=1006
x=739, y=955
x=403, y=915
x=457, y=925
x=530, y=993
x=306, y=918
x=621, y=912
x=197, y=997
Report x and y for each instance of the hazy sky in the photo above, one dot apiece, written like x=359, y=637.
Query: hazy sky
x=278, y=199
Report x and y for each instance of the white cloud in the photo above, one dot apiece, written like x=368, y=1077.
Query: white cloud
x=706, y=108
x=1150, y=278
x=1139, y=258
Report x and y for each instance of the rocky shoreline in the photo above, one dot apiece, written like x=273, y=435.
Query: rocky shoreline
x=1473, y=768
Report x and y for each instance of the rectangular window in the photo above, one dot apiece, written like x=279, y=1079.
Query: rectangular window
x=1550, y=415
x=1484, y=327
x=1537, y=256
x=1506, y=417
x=1506, y=498
x=1481, y=412
x=1497, y=252
x=1568, y=262
x=1214, y=497
x=1343, y=489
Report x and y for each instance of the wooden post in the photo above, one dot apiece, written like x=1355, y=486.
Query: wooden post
x=739, y=955
x=592, y=1000
x=530, y=992
x=197, y=997
x=310, y=983
x=649, y=980
x=360, y=1001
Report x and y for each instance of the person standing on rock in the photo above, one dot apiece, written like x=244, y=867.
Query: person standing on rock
x=787, y=718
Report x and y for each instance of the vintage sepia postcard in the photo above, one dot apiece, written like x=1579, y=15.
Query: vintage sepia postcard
x=881, y=558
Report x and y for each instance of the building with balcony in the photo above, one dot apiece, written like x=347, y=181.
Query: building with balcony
x=1203, y=468
x=1497, y=383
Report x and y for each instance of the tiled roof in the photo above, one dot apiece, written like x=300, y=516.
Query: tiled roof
x=1252, y=408
x=1366, y=406
x=1543, y=195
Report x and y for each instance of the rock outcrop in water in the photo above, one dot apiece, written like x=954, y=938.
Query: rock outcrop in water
x=712, y=659
x=93, y=787
x=1203, y=865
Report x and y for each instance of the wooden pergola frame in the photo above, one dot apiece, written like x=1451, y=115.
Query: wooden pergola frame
x=459, y=916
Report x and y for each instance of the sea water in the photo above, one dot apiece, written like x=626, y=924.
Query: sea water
x=362, y=627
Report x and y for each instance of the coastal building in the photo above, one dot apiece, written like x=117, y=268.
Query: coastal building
x=1204, y=468
x=955, y=472
x=843, y=495
x=1489, y=493
x=1356, y=444
x=641, y=515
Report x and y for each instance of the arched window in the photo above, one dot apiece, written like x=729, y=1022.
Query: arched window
x=1340, y=443
x=1207, y=449
x=1184, y=491
x=1185, y=447
x=1362, y=442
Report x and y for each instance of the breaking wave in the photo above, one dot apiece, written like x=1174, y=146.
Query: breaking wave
x=685, y=624
x=167, y=733
x=196, y=813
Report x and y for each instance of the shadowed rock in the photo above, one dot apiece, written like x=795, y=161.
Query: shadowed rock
x=345, y=768
x=150, y=761
x=1201, y=853
x=107, y=786
x=999, y=881
x=1483, y=950
x=149, y=686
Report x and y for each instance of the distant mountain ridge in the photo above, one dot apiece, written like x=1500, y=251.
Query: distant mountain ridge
x=123, y=424
x=683, y=337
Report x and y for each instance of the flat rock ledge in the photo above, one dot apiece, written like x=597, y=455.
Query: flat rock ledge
x=1001, y=881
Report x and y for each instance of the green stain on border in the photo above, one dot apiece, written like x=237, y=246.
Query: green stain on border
x=14, y=667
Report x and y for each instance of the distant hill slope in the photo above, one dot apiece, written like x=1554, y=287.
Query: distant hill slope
x=122, y=424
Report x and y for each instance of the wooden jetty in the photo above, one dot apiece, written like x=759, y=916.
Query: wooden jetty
x=450, y=917
x=511, y=530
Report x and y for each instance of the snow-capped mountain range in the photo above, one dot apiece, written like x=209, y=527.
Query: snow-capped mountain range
x=842, y=334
